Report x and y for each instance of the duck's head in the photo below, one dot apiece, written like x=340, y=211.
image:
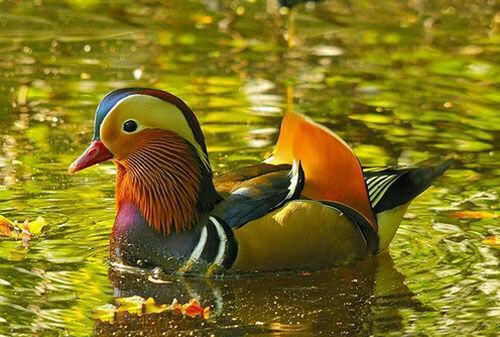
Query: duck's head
x=159, y=150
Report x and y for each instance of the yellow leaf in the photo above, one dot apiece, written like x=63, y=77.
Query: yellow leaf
x=473, y=215
x=139, y=306
x=203, y=19
x=132, y=305
x=492, y=240
x=150, y=307
x=35, y=227
x=206, y=313
x=105, y=313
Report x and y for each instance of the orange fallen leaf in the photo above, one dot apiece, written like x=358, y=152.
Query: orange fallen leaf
x=492, y=240
x=192, y=308
x=24, y=230
x=139, y=306
x=6, y=227
x=473, y=215
x=203, y=19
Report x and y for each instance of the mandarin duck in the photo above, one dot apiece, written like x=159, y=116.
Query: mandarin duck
x=310, y=205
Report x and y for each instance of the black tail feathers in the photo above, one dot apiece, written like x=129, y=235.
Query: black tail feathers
x=401, y=185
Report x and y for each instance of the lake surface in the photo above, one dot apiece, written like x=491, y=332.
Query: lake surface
x=401, y=81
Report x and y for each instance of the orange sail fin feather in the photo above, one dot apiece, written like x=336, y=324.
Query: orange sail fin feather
x=332, y=170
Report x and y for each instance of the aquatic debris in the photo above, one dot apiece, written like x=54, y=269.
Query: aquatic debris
x=492, y=240
x=474, y=215
x=137, y=305
x=24, y=230
x=6, y=226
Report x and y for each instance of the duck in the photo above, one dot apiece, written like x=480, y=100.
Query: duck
x=310, y=205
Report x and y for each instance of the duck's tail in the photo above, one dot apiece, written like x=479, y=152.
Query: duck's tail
x=392, y=190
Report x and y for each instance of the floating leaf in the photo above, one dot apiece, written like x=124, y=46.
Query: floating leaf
x=132, y=305
x=473, y=215
x=203, y=19
x=36, y=226
x=105, y=313
x=492, y=240
x=6, y=226
x=150, y=307
x=192, y=308
x=137, y=305
x=24, y=230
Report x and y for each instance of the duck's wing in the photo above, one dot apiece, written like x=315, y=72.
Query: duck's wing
x=229, y=181
x=260, y=195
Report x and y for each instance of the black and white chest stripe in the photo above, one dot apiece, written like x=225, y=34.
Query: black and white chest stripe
x=215, y=247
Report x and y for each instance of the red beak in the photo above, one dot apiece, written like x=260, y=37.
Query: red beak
x=94, y=154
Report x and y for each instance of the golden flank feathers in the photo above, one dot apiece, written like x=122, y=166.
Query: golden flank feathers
x=161, y=179
x=304, y=234
x=332, y=170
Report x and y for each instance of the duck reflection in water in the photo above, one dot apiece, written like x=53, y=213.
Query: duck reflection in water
x=360, y=300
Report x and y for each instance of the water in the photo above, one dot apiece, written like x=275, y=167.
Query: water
x=401, y=81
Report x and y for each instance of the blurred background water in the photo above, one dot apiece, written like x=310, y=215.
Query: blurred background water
x=401, y=81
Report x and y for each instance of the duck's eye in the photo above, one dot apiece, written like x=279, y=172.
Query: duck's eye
x=130, y=126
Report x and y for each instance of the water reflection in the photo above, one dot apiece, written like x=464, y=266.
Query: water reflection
x=357, y=301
